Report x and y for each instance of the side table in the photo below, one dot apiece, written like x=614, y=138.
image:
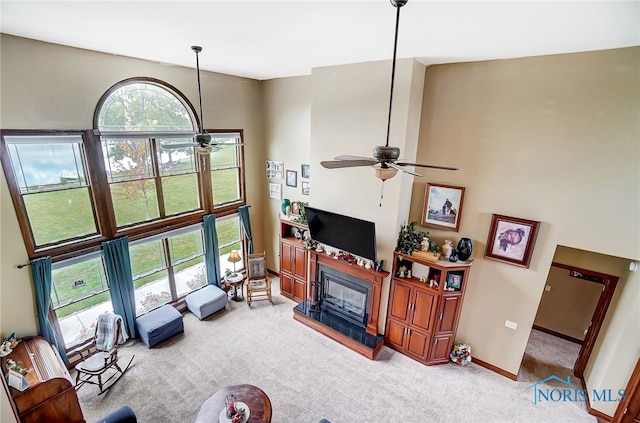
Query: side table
x=235, y=282
x=255, y=398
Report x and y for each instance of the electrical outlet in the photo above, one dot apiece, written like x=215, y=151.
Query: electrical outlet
x=510, y=324
x=547, y=288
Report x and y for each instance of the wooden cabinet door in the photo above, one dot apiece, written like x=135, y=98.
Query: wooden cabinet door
x=286, y=283
x=448, y=315
x=424, y=308
x=299, y=289
x=418, y=343
x=395, y=334
x=440, y=349
x=299, y=269
x=286, y=257
x=399, y=301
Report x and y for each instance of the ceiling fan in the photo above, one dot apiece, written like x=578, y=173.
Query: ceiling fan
x=202, y=140
x=384, y=163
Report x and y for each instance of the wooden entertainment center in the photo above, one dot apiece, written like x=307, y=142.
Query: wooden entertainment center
x=425, y=299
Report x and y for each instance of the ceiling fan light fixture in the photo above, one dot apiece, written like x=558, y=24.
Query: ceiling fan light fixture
x=383, y=173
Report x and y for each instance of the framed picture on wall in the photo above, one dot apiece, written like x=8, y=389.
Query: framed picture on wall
x=442, y=206
x=304, y=171
x=275, y=169
x=511, y=240
x=305, y=188
x=292, y=178
x=275, y=191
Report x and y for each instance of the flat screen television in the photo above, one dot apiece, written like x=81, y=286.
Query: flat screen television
x=352, y=235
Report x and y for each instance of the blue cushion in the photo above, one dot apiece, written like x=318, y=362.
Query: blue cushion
x=206, y=301
x=159, y=324
x=123, y=414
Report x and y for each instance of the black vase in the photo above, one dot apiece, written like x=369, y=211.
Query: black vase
x=465, y=248
x=453, y=257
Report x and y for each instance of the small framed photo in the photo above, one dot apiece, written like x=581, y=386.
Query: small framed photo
x=454, y=281
x=511, y=240
x=442, y=206
x=304, y=171
x=292, y=178
x=305, y=188
x=275, y=191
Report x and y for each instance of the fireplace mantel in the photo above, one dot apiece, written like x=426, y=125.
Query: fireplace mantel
x=370, y=342
x=372, y=276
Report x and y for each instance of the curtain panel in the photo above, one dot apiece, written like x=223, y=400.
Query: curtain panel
x=42, y=281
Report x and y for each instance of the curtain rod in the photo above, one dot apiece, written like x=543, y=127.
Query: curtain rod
x=20, y=266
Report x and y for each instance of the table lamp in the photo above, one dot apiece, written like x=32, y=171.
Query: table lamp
x=234, y=257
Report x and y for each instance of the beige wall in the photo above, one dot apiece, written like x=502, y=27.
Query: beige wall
x=287, y=112
x=553, y=139
x=568, y=305
x=46, y=86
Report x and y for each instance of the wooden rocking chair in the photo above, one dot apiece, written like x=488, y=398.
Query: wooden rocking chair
x=109, y=333
x=258, y=281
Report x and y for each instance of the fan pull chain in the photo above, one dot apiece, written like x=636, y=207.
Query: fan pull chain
x=381, y=194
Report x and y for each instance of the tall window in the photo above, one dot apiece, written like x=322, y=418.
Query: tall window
x=140, y=123
x=135, y=174
x=79, y=293
x=51, y=176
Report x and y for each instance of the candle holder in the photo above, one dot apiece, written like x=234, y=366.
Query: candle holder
x=230, y=405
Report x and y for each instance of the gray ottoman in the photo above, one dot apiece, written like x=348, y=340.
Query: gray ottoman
x=206, y=301
x=159, y=324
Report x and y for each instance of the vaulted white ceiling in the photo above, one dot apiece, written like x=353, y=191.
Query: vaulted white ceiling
x=272, y=39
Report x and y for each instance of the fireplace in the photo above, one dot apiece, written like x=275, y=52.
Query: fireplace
x=343, y=303
x=344, y=295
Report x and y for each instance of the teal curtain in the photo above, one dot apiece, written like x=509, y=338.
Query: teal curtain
x=211, y=250
x=42, y=281
x=246, y=225
x=118, y=267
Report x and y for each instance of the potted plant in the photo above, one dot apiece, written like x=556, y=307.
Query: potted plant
x=409, y=238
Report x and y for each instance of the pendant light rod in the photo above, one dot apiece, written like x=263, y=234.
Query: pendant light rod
x=397, y=4
x=198, y=49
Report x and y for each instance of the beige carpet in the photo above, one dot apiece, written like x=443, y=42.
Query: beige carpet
x=307, y=376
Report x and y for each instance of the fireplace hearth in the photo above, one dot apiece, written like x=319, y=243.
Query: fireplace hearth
x=343, y=303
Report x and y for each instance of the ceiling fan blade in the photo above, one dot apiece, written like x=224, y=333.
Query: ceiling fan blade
x=226, y=143
x=399, y=167
x=357, y=158
x=429, y=166
x=336, y=164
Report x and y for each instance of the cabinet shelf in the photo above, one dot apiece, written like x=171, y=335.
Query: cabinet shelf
x=293, y=260
x=424, y=309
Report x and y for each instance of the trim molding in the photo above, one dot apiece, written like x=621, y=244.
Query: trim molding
x=602, y=418
x=558, y=334
x=494, y=368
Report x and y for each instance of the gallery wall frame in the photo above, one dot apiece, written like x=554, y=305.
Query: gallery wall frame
x=275, y=170
x=275, y=191
x=292, y=178
x=304, y=171
x=511, y=240
x=305, y=187
x=442, y=207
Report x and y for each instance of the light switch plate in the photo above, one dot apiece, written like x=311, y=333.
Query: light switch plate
x=510, y=324
x=547, y=288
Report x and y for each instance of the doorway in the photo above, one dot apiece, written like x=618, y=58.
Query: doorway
x=569, y=318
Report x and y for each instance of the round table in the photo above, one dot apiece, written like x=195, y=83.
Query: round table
x=234, y=281
x=257, y=401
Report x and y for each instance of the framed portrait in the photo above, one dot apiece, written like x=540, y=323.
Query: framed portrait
x=304, y=171
x=454, y=281
x=511, y=240
x=275, y=191
x=305, y=188
x=442, y=206
x=292, y=178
